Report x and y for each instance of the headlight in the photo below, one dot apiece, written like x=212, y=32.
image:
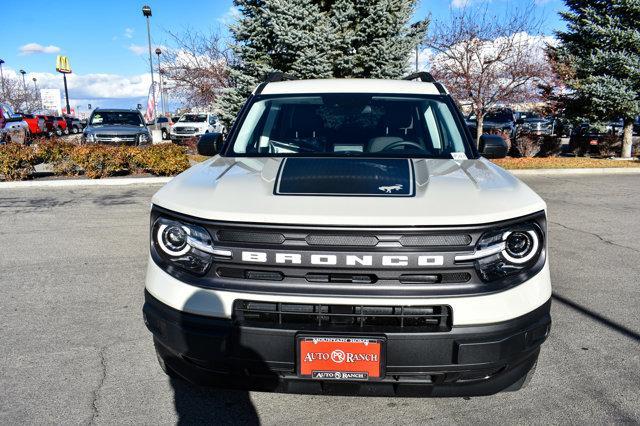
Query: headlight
x=182, y=244
x=90, y=137
x=508, y=251
x=143, y=138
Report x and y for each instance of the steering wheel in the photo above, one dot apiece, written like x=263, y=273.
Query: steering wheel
x=399, y=144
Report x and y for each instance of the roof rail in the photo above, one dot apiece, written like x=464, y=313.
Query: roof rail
x=275, y=76
x=424, y=77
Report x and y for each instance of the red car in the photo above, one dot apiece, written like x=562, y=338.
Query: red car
x=62, y=125
x=51, y=125
x=37, y=125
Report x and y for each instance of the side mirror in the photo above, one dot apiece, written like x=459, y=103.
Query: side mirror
x=210, y=144
x=493, y=146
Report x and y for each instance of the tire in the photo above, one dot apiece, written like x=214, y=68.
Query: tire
x=58, y=132
x=75, y=130
x=66, y=131
x=165, y=135
x=524, y=381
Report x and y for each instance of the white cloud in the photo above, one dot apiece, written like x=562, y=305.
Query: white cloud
x=137, y=49
x=31, y=48
x=128, y=32
x=457, y=4
x=92, y=86
x=230, y=16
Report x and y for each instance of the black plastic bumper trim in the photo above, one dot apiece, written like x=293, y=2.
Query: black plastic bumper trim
x=202, y=347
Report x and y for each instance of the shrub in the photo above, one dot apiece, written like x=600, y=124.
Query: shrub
x=53, y=150
x=99, y=160
x=526, y=145
x=16, y=161
x=162, y=159
x=550, y=146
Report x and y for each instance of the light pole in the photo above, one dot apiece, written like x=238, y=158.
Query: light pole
x=146, y=12
x=24, y=85
x=159, y=52
x=38, y=98
x=2, y=78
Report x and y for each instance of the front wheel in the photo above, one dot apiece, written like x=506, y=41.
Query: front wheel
x=165, y=135
x=66, y=131
x=75, y=130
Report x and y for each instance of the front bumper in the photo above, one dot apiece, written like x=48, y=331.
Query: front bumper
x=468, y=360
x=183, y=136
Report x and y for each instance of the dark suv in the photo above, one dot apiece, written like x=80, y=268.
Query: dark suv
x=116, y=127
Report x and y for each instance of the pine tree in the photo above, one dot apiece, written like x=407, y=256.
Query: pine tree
x=601, y=49
x=292, y=36
x=373, y=37
x=318, y=39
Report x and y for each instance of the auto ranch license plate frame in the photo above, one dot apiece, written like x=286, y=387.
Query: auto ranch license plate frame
x=341, y=371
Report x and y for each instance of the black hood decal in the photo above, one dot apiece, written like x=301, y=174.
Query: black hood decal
x=369, y=177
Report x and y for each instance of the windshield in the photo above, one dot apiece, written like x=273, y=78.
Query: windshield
x=193, y=118
x=122, y=118
x=350, y=124
x=501, y=115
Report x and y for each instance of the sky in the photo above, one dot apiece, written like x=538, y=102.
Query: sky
x=106, y=41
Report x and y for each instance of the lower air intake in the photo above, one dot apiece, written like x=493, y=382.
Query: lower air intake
x=343, y=317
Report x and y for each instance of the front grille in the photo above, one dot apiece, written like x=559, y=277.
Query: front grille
x=115, y=138
x=343, y=317
x=250, y=237
x=185, y=129
x=435, y=240
x=346, y=239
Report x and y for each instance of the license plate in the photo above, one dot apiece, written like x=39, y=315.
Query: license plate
x=340, y=358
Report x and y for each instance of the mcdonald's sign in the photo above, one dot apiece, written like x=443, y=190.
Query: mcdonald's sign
x=62, y=64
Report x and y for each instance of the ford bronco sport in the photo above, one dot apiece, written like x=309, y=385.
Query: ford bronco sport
x=349, y=238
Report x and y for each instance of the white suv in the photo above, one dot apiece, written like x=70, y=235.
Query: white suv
x=195, y=125
x=350, y=238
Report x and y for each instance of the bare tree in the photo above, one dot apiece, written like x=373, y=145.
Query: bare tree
x=487, y=60
x=195, y=67
x=18, y=98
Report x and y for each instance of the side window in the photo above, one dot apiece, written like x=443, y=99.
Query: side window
x=212, y=119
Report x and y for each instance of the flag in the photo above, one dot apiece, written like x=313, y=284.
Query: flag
x=151, y=104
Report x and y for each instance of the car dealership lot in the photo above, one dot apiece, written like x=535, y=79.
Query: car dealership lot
x=74, y=349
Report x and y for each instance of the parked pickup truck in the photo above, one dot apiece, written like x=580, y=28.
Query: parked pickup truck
x=195, y=125
x=348, y=237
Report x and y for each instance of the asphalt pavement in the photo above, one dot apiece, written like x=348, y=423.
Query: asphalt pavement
x=74, y=349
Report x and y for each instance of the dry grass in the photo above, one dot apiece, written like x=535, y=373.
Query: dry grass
x=562, y=163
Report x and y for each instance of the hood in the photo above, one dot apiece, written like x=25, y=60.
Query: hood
x=116, y=130
x=190, y=124
x=446, y=192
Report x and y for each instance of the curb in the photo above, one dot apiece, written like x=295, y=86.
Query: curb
x=599, y=171
x=84, y=182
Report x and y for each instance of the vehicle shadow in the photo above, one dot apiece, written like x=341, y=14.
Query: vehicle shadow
x=196, y=404
x=222, y=399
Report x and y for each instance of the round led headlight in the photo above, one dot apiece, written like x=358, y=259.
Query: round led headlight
x=172, y=239
x=520, y=246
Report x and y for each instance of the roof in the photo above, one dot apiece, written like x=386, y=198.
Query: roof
x=117, y=109
x=355, y=85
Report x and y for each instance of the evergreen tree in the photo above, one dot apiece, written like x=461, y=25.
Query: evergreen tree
x=601, y=51
x=373, y=38
x=318, y=39
x=292, y=36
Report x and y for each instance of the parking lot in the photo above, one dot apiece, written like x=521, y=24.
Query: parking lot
x=74, y=349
